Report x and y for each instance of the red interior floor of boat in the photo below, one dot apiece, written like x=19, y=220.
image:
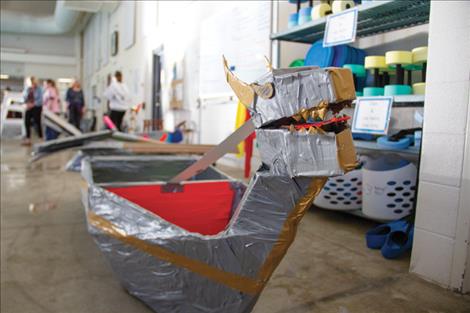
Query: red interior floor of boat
x=202, y=207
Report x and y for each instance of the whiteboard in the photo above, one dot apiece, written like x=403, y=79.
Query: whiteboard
x=241, y=33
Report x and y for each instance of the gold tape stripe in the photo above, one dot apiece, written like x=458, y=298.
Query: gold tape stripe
x=346, y=151
x=289, y=229
x=243, y=284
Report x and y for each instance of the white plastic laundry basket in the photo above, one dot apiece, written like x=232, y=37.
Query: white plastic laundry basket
x=388, y=194
x=342, y=193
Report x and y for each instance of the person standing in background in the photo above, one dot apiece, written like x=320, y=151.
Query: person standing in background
x=109, y=79
x=33, y=99
x=118, y=96
x=51, y=102
x=75, y=104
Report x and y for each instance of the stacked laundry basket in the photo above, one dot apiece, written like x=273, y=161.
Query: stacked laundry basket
x=381, y=188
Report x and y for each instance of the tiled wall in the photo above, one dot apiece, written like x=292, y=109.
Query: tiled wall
x=440, y=249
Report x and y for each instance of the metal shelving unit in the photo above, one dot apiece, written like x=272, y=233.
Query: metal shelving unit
x=374, y=18
x=407, y=101
x=411, y=152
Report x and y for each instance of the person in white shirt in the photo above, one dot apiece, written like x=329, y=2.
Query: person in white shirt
x=118, y=96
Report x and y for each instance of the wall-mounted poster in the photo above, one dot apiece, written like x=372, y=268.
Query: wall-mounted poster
x=114, y=43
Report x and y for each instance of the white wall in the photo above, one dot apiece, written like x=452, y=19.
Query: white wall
x=172, y=25
x=440, y=248
x=175, y=26
x=38, y=55
x=134, y=62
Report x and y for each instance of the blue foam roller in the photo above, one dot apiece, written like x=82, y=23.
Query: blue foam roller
x=361, y=56
x=305, y=15
x=293, y=20
x=354, y=55
x=317, y=55
x=340, y=55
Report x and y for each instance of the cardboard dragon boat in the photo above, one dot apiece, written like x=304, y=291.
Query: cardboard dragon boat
x=192, y=245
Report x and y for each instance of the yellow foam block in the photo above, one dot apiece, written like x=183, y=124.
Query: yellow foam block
x=420, y=55
x=375, y=61
x=398, y=57
x=320, y=10
x=341, y=5
x=418, y=88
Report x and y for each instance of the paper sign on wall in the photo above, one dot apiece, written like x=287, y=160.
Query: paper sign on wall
x=340, y=28
x=372, y=115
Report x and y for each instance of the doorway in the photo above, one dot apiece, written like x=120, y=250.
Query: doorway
x=157, y=67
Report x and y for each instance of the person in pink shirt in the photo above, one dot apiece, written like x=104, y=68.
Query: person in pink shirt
x=51, y=102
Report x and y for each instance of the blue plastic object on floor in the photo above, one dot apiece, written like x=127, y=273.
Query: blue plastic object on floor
x=319, y=56
x=175, y=137
x=402, y=143
x=376, y=237
x=398, y=242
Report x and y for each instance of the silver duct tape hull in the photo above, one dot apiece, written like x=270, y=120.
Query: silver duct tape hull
x=298, y=153
x=295, y=89
x=176, y=271
x=241, y=249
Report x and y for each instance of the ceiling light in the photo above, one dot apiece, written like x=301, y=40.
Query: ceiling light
x=4, y=76
x=65, y=80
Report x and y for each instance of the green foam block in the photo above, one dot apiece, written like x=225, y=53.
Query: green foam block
x=356, y=69
x=395, y=90
x=373, y=91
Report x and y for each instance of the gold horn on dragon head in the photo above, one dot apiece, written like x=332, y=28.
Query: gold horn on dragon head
x=246, y=92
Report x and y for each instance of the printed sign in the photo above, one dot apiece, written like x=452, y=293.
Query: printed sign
x=372, y=115
x=340, y=28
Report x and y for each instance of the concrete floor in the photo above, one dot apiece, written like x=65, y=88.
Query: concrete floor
x=50, y=264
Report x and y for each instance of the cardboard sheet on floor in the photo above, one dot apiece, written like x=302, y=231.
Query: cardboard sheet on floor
x=48, y=147
x=59, y=124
